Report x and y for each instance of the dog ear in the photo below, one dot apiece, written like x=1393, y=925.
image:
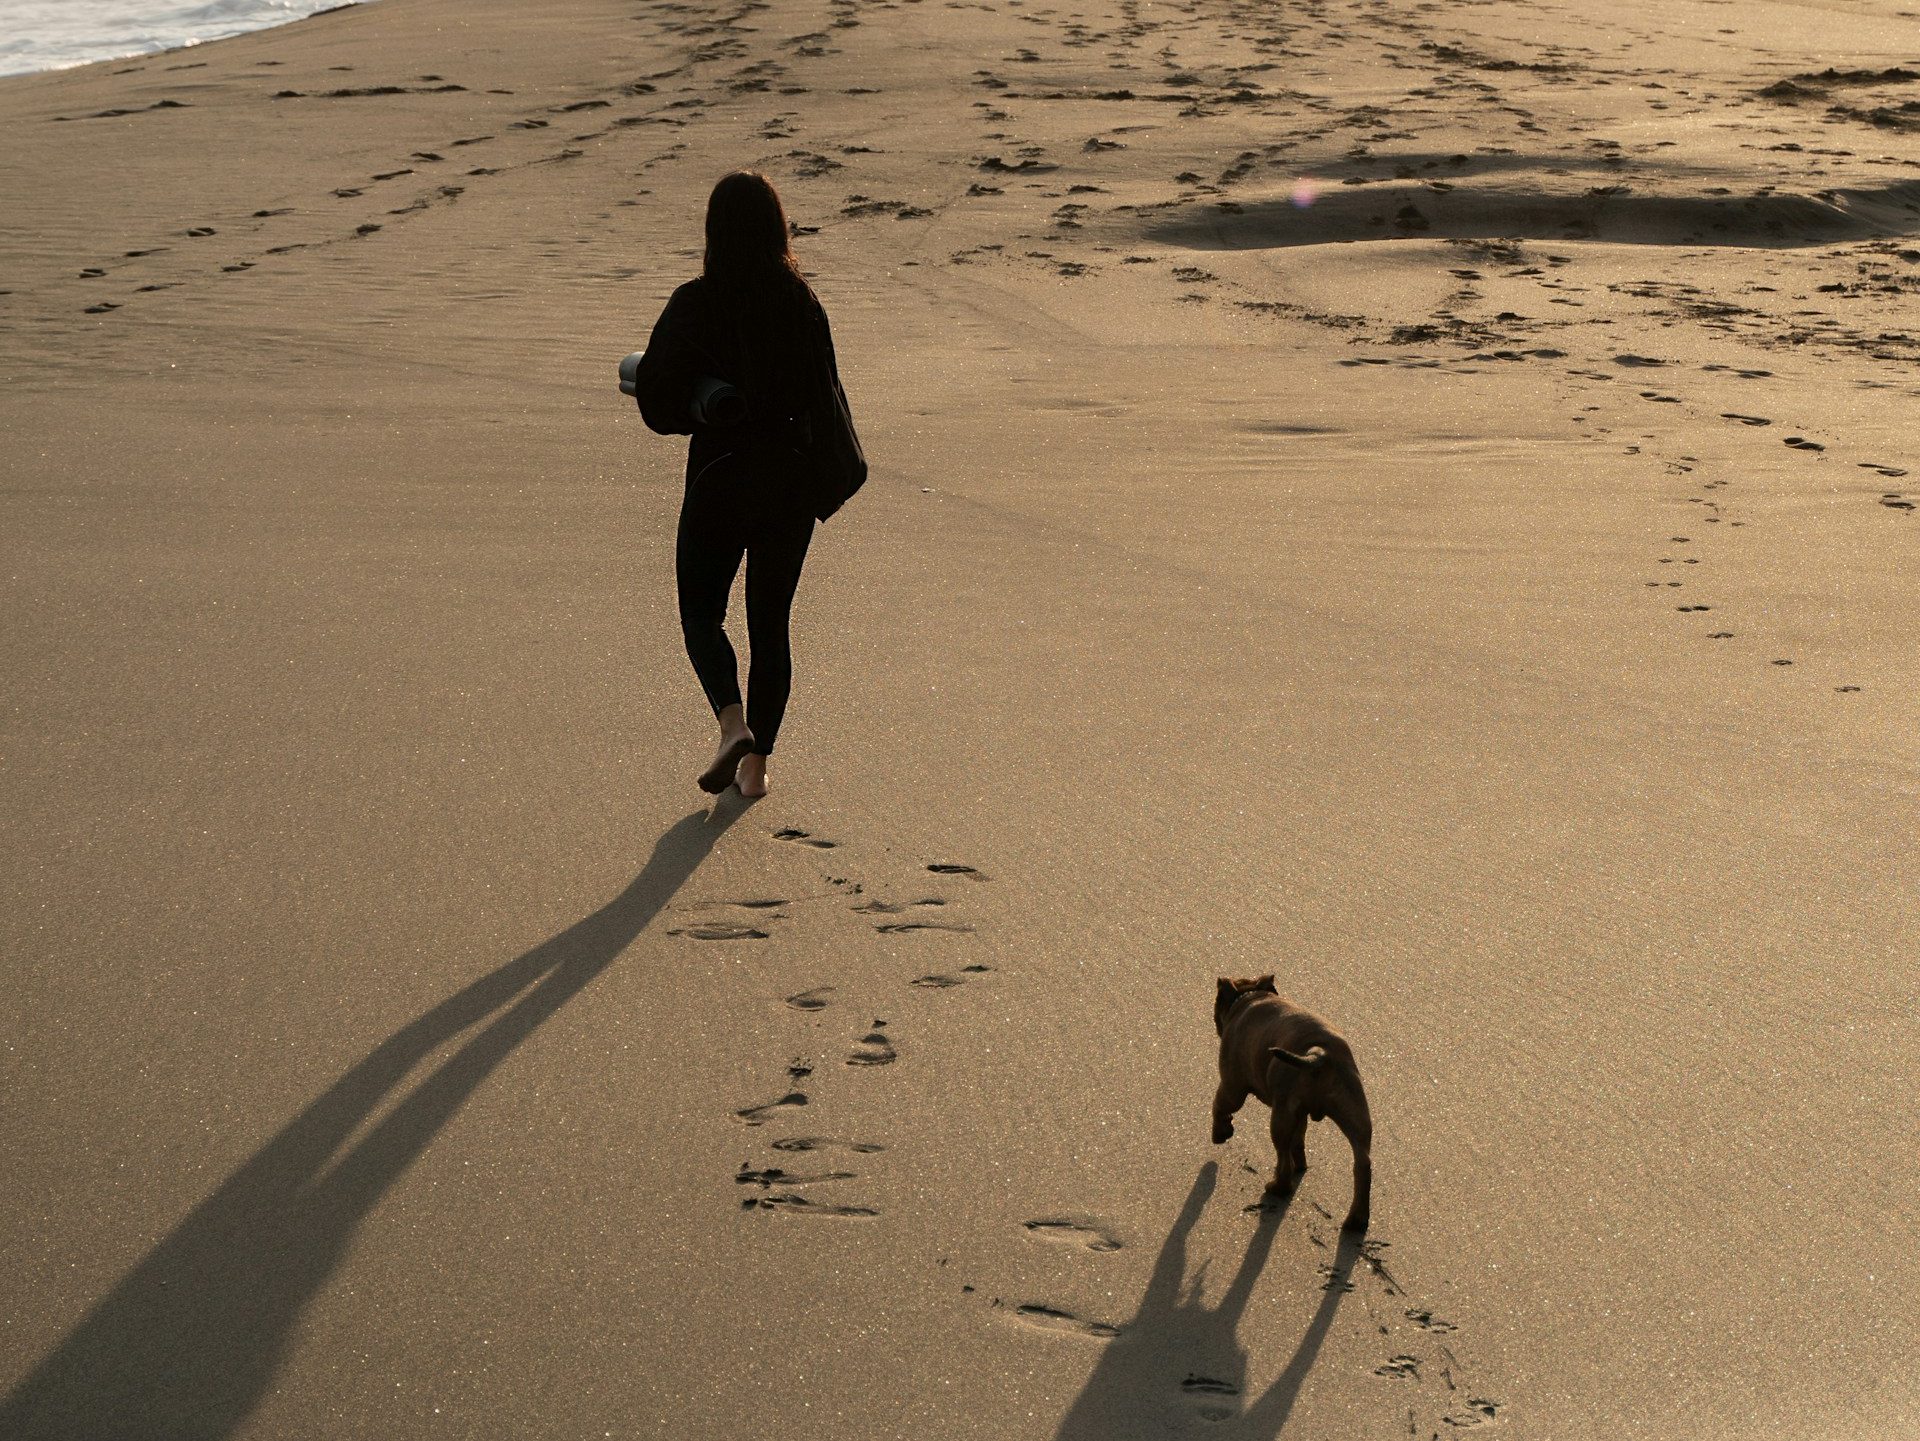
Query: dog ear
x=1226, y=988
x=1265, y=983
x=1306, y=1063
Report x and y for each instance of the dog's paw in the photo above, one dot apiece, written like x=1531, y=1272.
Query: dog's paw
x=1222, y=1134
x=1356, y=1223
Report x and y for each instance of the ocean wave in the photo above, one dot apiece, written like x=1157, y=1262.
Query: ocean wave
x=58, y=34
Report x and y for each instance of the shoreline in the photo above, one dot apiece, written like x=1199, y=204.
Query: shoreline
x=190, y=43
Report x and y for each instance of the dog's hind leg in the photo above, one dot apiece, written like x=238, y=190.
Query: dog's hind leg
x=1357, y=1125
x=1289, y=1129
x=1226, y=1101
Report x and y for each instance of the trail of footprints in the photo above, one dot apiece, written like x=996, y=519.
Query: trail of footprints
x=1417, y=1348
x=1715, y=507
x=772, y=1187
x=1422, y=1358
x=1694, y=545
x=1715, y=511
x=256, y=224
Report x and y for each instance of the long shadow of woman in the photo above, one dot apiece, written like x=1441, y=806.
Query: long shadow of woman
x=1178, y=1360
x=190, y=1340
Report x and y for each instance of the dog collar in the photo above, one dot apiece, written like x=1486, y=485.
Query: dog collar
x=1239, y=996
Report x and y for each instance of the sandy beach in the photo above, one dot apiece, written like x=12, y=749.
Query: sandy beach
x=1417, y=499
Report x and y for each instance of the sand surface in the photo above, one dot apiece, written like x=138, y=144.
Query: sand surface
x=1413, y=498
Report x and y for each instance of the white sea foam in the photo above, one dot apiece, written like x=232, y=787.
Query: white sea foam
x=54, y=34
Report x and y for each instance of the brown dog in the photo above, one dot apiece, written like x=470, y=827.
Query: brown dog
x=1302, y=1069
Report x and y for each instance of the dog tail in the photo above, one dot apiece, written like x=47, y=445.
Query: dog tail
x=1314, y=1056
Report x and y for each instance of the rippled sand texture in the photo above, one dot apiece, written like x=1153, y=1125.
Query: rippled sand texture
x=1416, y=498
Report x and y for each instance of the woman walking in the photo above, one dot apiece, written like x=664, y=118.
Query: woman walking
x=763, y=465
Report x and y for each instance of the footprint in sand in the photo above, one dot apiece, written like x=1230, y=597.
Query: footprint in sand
x=1332, y=1278
x=771, y=1176
x=805, y=838
x=1800, y=442
x=761, y=1114
x=1198, y=1385
x=1052, y=1318
x=720, y=931
x=955, y=868
x=827, y=1143
x=1073, y=1232
x=1745, y=419
x=888, y=928
x=1373, y=1254
x=813, y=1000
x=792, y=1204
x=1476, y=1411
x=941, y=983
x=894, y=908
x=1025, y=166
x=874, y=1049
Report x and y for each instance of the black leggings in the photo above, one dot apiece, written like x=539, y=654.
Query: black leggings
x=742, y=505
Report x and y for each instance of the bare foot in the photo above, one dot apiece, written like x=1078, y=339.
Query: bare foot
x=734, y=744
x=752, y=776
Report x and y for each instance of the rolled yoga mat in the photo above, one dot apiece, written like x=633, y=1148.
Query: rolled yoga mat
x=630, y=373
x=715, y=402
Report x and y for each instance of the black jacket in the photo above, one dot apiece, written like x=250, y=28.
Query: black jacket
x=790, y=380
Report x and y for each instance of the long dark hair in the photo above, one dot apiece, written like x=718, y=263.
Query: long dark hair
x=749, y=264
x=749, y=255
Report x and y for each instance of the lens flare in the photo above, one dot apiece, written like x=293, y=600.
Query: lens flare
x=1305, y=191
